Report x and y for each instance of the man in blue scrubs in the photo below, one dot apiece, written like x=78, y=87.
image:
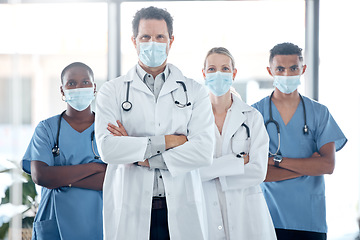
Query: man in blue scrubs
x=303, y=152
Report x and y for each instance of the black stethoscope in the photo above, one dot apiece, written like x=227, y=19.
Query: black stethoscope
x=242, y=154
x=56, y=150
x=271, y=120
x=127, y=105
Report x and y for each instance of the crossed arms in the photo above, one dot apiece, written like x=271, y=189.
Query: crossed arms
x=316, y=165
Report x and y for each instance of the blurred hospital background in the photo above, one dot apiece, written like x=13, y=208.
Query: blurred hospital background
x=39, y=38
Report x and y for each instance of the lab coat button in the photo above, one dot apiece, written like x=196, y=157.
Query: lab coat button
x=219, y=227
x=215, y=203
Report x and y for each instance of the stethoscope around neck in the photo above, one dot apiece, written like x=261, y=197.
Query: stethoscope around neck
x=127, y=105
x=271, y=120
x=56, y=150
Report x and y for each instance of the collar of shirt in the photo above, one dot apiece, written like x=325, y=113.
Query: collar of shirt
x=142, y=73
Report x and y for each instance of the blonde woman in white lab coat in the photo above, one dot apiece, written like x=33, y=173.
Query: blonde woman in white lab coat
x=234, y=200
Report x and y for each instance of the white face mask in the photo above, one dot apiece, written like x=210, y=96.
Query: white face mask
x=153, y=54
x=286, y=84
x=219, y=83
x=79, y=98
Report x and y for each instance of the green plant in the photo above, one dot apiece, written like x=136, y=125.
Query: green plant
x=28, y=199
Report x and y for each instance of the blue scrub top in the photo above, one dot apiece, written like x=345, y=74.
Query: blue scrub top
x=65, y=213
x=299, y=204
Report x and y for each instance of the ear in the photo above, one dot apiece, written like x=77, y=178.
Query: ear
x=94, y=88
x=203, y=72
x=234, y=73
x=133, y=39
x=304, y=68
x=269, y=71
x=62, y=91
x=171, y=41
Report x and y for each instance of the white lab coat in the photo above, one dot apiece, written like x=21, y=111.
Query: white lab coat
x=247, y=213
x=128, y=189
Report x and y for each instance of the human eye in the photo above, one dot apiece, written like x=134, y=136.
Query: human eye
x=226, y=69
x=211, y=69
x=145, y=38
x=86, y=82
x=161, y=38
x=71, y=83
x=280, y=69
x=294, y=69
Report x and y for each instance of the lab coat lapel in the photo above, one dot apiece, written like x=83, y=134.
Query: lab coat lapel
x=237, y=117
x=170, y=83
x=136, y=82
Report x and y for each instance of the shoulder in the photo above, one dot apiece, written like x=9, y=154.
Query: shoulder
x=115, y=83
x=261, y=105
x=249, y=111
x=315, y=106
x=47, y=126
x=112, y=84
x=190, y=83
x=51, y=121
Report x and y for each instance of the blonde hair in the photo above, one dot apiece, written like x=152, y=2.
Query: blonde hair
x=220, y=50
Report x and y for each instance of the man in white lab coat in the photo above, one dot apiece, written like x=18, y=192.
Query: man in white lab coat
x=154, y=128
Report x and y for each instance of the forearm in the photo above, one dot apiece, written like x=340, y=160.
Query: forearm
x=228, y=165
x=314, y=166
x=320, y=163
x=275, y=174
x=93, y=182
x=58, y=176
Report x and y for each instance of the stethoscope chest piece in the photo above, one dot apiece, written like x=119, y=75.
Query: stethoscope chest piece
x=126, y=105
x=55, y=151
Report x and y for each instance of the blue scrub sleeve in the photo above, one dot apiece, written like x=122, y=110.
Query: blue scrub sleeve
x=39, y=148
x=328, y=130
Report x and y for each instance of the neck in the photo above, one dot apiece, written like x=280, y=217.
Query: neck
x=74, y=115
x=280, y=96
x=220, y=104
x=154, y=71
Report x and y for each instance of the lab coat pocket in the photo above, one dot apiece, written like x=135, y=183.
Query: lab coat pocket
x=45, y=230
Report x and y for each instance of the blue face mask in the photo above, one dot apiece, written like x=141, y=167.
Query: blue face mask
x=79, y=98
x=219, y=83
x=153, y=54
x=287, y=84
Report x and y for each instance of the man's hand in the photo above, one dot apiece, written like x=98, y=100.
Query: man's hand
x=144, y=163
x=172, y=141
x=117, y=130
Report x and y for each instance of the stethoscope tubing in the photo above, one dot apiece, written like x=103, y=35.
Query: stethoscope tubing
x=56, y=149
x=242, y=154
x=127, y=105
x=272, y=120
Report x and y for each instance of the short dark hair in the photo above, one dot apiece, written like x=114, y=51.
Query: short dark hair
x=285, y=48
x=76, y=64
x=152, y=13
